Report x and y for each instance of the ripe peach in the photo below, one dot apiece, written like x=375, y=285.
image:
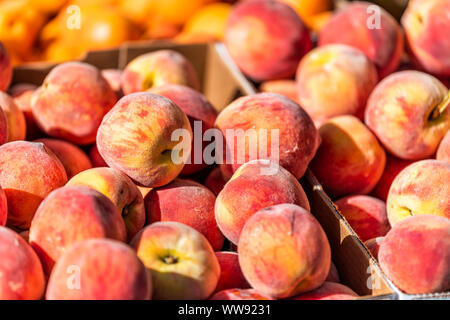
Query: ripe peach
x=28, y=173
x=284, y=242
x=106, y=270
x=117, y=187
x=3, y=128
x=443, y=152
x=135, y=137
x=415, y=254
x=113, y=77
x=231, y=276
x=21, y=272
x=335, y=80
x=369, y=28
x=17, y=127
x=157, y=68
x=274, y=117
x=374, y=246
x=333, y=274
x=421, y=188
x=287, y=88
x=194, y=206
x=69, y=215
x=180, y=259
x=349, y=160
x=72, y=158
x=262, y=49
x=239, y=294
x=22, y=94
x=72, y=101
x=201, y=115
x=96, y=158
x=215, y=181
x=251, y=189
x=5, y=68
x=408, y=111
x=3, y=207
x=329, y=291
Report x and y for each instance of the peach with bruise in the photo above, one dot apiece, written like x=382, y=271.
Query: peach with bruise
x=329, y=291
x=426, y=25
x=22, y=276
x=69, y=215
x=28, y=173
x=117, y=187
x=193, y=206
x=108, y=270
x=335, y=80
x=262, y=49
x=333, y=274
x=349, y=160
x=284, y=242
x=5, y=68
x=415, y=254
x=72, y=158
x=72, y=101
x=157, y=68
x=201, y=115
x=17, y=127
x=409, y=113
x=374, y=246
x=3, y=207
x=96, y=158
x=182, y=262
x=443, y=152
x=135, y=137
x=215, y=181
x=239, y=294
x=254, y=186
x=251, y=118
x=231, y=276
x=421, y=188
x=3, y=128
x=287, y=88
x=355, y=25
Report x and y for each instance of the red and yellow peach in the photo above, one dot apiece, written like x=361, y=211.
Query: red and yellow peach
x=231, y=276
x=17, y=127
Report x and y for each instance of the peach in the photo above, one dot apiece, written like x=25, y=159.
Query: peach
x=106, y=270
x=268, y=123
x=69, y=215
x=374, y=246
x=329, y=291
x=5, y=68
x=253, y=188
x=22, y=276
x=96, y=159
x=284, y=242
x=215, y=181
x=415, y=254
x=408, y=111
x=443, y=152
x=426, y=24
x=157, y=68
x=349, y=160
x=287, y=88
x=366, y=215
x=17, y=127
x=117, y=187
x=335, y=80
x=239, y=294
x=72, y=158
x=421, y=188
x=180, y=259
x=3, y=207
x=370, y=29
x=3, y=128
x=22, y=94
x=28, y=173
x=193, y=206
x=113, y=77
x=231, y=276
x=135, y=137
x=72, y=101
x=201, y=115
x=333, y=274
x=262, y=49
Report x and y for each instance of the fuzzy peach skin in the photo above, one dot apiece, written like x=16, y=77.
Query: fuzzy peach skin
x=72, y=101
x=215, y=181
x=135, y=137
x=329, y=291
x=239, y=294
x=201, y=114
x=252, y=188
x=28, y=173
x=231, y=276
x=409, y=113
x=22, y=94
x=262, y=49
x=187, y=202
x=335, y=80
x=333, y=274
x=3, y=128
x=3, y=207
x=349, y=160
x=426, y=25
x=182, y=262
x=415, y=254
x=113, y=77
x=96, y=158
x=284, y=242
x=118, y=188
x=355, y=25
x=287, y=88
x=374, y=246
x=17, y=127
x=421, y=188
x=5, y=68
x=366, y=215
x=107, y=270
x=72, y=158
x=443, y=152
x=22, y=276
x=267, y=114
x=393, y=167
x=69, y=215
x=157, y=68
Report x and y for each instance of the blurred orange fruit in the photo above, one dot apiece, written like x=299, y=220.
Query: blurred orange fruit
x=178, y=11
x=309, y=8
x=47, y=6
x=137, y=11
